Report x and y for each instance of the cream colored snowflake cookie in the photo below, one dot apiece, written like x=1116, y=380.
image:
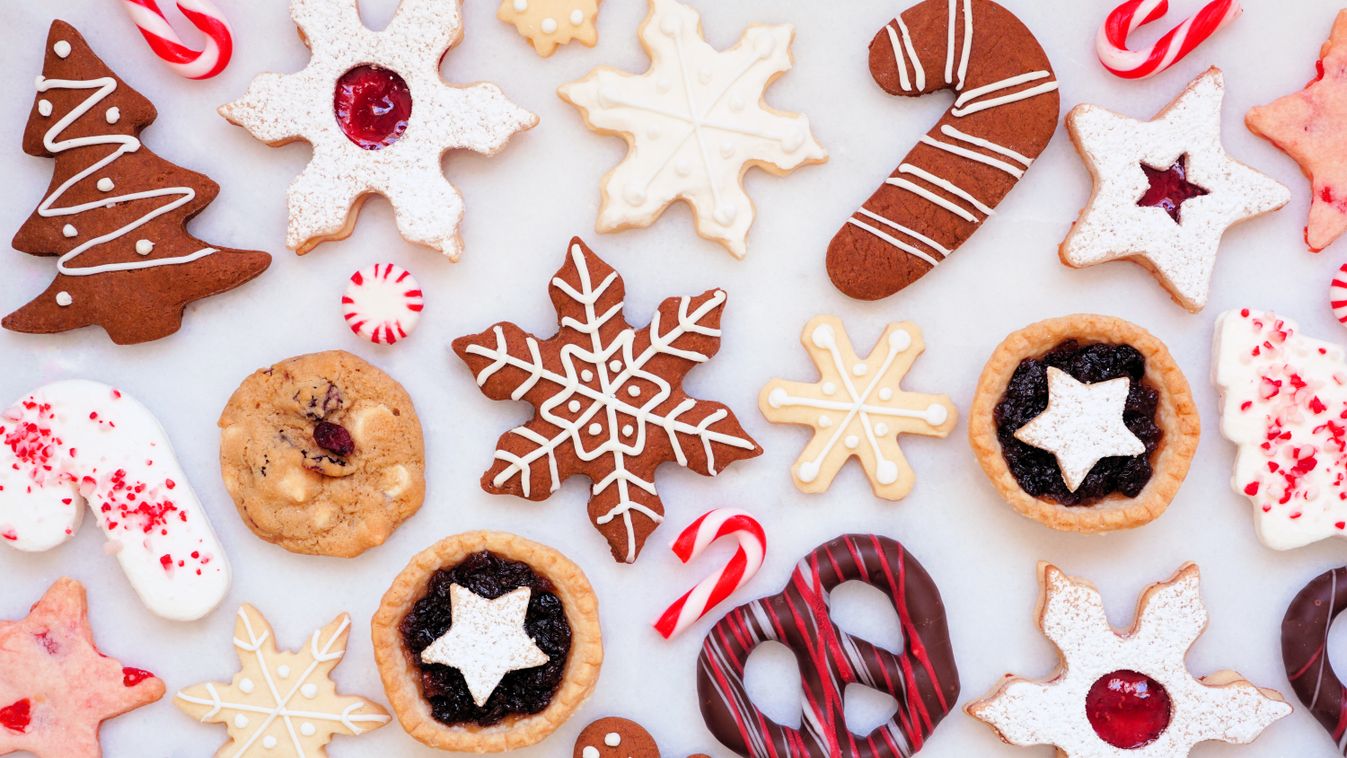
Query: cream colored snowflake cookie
x=379, y=118
x=282, y=703
x=1126, y=695
x=550, y=23
x=695, y=122
x=857, y=407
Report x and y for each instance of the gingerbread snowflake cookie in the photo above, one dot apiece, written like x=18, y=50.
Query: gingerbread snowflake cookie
x=857, y=408
x=548, y=24
x=379, y=118
x=282, y=703
x=695, y=122
x=1126, y=694
x=609, y=400
x=1165, y=190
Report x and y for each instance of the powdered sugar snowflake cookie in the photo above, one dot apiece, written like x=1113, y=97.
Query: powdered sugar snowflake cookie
x=1283, y=400
x=857, y=408
x=1126, y=694
x=609, y=400
x=379, y=118
x=548, y=24
x=282, y=703
x=695, y=122
x=1165, y=190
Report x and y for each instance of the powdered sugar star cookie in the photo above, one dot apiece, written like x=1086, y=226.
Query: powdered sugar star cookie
x=857, y=407
x=1165, y=190
x=1126, y=695
x=695, y=122
x=379, y=118
x=1082, y=425
x=487, y=640
x=383, y=303
x=550, y=23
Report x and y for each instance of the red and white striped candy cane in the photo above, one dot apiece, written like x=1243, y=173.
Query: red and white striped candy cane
x=193, y=64
x=1111, y=42
x=714, y=589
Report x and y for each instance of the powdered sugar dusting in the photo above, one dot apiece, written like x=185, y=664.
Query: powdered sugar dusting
x=1082, y=425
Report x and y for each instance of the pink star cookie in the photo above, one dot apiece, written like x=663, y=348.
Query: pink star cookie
x=1311, y=127
x=56, y=688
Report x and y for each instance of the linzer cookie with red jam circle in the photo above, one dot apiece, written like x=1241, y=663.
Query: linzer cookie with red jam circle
x=379, y=118
x=608, y=397
x=1305, y=631
x=1165, y=190
x=922, y=676
x=115, y=214
x=323, y=454
x=1127, y=693
x=1004, y=114
x=1084, y=423
x=56, y=686
x=1283, y=401
x=487, y=642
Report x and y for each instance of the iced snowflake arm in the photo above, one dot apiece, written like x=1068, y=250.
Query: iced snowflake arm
x=511, y=364
x=477, y=117
x=588, y=282
x=321, y=205
x=1073, y=615
x=531, y=461
x=327, y=22
x=1227, y=694
x=683, y=333
x=422, y=23
x=1173, y=608
x=428, y=209
x=703, y=435
x=625, y=508
x=256, y=111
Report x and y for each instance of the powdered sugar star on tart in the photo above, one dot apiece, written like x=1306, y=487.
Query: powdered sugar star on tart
x=1082, y=425
x=1126, y=695
x=487, y=640
x=1165, y=190
x=379, y=118
x=695, y=122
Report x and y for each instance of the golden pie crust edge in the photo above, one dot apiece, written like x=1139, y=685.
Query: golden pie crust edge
x=401, y=679
x=1176, y=416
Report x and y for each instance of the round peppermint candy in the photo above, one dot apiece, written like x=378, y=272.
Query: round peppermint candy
x=1337, y=294
x=382, y=303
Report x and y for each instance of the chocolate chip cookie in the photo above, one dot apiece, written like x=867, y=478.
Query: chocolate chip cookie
x=323, y=454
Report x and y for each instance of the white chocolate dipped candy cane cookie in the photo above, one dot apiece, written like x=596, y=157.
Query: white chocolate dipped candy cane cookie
x=75, y=442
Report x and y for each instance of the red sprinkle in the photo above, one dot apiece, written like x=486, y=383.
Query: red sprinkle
x=17, y=716
x=131, y=677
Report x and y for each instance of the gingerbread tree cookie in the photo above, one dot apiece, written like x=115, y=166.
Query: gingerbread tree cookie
x=609, y=400
x=379, y=118
x=695, y=122
x=548, y=24
x=115, y=214
x=857, y=408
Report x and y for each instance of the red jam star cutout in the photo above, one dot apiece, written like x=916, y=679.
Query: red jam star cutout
x=609, y=402
x=1311, y=127
x=55, y=687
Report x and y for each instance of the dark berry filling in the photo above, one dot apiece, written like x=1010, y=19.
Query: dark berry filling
x=1026, y=397
x=1169, y=188
x=522, y=692
x=373, y=105
x=1128, y=710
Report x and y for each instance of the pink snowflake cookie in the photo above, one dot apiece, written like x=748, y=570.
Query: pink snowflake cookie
x=383, y=303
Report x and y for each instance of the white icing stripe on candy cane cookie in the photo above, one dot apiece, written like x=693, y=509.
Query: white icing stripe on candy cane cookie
x=76, y=442
x=973, y=156
x=124, y=144
x=898, y=61
x=967, y=41
x=950, y=131
x=917, y=69
x=947, y=186
x=964, y=105
x=926, y=194
x=890, y=239
x=944, y=251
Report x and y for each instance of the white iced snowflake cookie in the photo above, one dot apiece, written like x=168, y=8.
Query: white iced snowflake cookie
x=548, y=24
x=695, y=122
x=1165, y=190
x=78, y=442
x=1126, y=695
x=1283, y=396
x=379, y=118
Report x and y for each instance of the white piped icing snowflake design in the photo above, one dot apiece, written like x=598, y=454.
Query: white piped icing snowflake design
x=695, y=122
x=857, y=407
x=1170, y=618
x=1114, y=226
x=282, y=703
x=279, y=109
x=1283, y=404
x=487, y=640
x=551, y=23
x=1082, y=425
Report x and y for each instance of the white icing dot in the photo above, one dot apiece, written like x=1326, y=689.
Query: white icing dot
x=61, y=48
x=726, y=213
x=246, y=685
x=726, y=150
x=654, y=134
x=627, y=430
x=614, y=365
x=885, y=393
x=307, y=729
x=794, y=140
x=309, y=690
x=69, y=230
x=589, y=752
x=240, y=721
x=595, y=428
x=105, y=185
x=824, y=422
x=521, y=5
x=663, y=85
x=144, y=247
x=764, y=46
x=113, y=115
x=936, y=414
x=635, y=195
x=283, y=671
x=737, y=103
x=860, y=369
x=634, y=391
x=900, y=340
x=577, y=17
x=269, y=742
x=829, y=388
x=671, y=25
x=549, y=25
x=612, y=739
x=683, y=167
x=44, y=107
x=852, y=441
x=881, y=428
x=587, y=375
x=64, y=299
x=705, y=76
x=573, y=406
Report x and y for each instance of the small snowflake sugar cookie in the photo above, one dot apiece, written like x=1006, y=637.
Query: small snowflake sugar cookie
x=379, y=118
x=695, y=122
x=1165, y=190
x=857, y=407
x=1126, y=695
x=551, y=23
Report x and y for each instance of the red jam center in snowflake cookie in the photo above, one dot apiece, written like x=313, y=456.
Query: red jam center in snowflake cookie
x=1170, y=188
x=373, y=105
x=1128, y=709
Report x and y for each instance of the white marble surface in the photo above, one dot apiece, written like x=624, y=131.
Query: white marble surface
x=524, y=204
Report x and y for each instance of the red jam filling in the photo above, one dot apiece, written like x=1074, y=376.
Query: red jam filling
x=1170, y=188
x=131, y=677
x=372, y=105
x=1128, y=710
x=17, y=716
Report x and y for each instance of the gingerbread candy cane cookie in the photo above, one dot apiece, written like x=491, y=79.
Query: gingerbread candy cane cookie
x=923, y=677
x=1004, y=113
x=1305, y=651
